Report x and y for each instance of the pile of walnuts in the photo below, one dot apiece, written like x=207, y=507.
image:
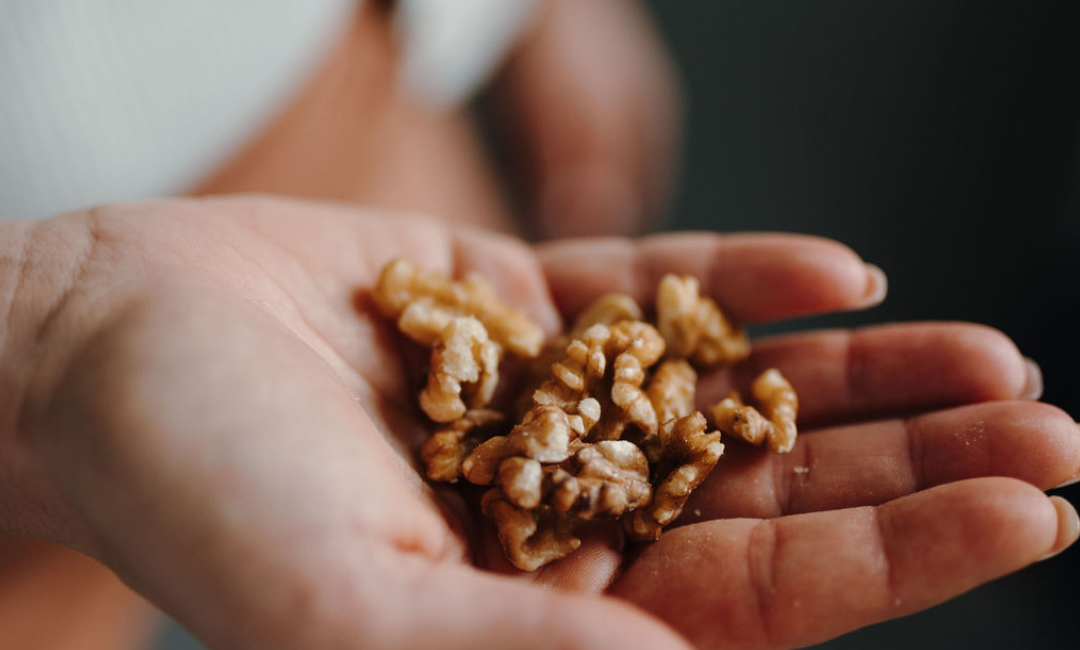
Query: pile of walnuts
x=606, y=427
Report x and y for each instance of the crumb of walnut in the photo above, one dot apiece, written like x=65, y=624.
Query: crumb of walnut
x=694, y=326
x=689, y=454
x=602, y=480
x=444, y=452
x=464, y=371
x=423, y=302
x=530, y=538
x=774, y=424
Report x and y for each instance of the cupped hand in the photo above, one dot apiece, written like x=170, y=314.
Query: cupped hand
x=202, y=395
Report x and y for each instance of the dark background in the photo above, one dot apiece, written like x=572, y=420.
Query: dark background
x=940, y=140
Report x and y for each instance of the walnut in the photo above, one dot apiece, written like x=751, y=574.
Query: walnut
x=571, y=379
x=424, y=302
x=606, y=310
x=464, y=371
x=671, y=391
x=530, y=538
x=634, y=347
x=444, y=452
x=688, y=455
x=604, y=479
x=774, y=424
x=522, y=481
x=482, y=465
x=604, y=432
x=544, y=435
x=694, y=326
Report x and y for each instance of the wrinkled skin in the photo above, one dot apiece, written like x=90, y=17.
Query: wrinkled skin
x=201, y=395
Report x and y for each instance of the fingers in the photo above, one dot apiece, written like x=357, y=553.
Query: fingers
x=806, y=578
x=755, y=277
x=593, y=103
x=873, y=463
x=457, y=607
x=846, y=374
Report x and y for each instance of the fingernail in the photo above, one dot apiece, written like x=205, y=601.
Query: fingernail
x=1033, y=385
x=1068, y=526
x=877, y=285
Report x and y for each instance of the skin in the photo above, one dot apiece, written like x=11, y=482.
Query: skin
x=200, y=395
x=602, y=163
x=352, y=134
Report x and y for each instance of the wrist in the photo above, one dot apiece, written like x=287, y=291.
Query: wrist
x=40, y=263
x=15, y=239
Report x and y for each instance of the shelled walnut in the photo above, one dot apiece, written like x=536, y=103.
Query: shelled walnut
x=607, y=428
x=774, y=424
x=602, y=480
x=672, y=391
x=445, y=451
x=695, y=327
x=464, y=371
x=533, y=537
x=424, y=302
x=690, y=452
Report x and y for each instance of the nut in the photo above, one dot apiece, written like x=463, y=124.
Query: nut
x=604, y=432
x=634, y=347
x=464, y=371
x=522, y=480
x=603, y=480
x=545, y=435
x=424, y=302
x=774, y=424
x=530, y=538
x=688, y=455
x=444, y=452
x=571, y=380
x=606, y=310
x=671, y=391
x=694, y=326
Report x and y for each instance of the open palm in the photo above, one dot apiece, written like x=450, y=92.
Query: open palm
x=218, y=412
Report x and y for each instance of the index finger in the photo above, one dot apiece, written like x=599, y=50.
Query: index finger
x=755, y=277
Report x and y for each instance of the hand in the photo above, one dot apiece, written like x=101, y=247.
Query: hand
x=208, y=403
